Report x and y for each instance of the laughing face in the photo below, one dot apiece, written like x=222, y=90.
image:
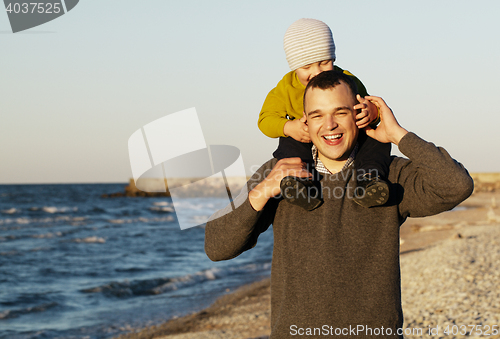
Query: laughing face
x=332, y=124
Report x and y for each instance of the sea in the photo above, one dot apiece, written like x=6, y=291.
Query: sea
x=74, y=264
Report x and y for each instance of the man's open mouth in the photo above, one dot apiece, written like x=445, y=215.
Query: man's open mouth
x=333, y=137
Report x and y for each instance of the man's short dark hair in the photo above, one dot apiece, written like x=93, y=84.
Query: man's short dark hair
x=330, y=79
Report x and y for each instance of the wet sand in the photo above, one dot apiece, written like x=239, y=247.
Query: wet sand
x=245, y=313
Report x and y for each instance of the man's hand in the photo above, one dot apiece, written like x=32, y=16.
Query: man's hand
x=270, y=186
x=389, y=129
x=368, y=114
x=297, y=129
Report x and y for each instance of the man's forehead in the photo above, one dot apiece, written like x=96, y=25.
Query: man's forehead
x=336, y=97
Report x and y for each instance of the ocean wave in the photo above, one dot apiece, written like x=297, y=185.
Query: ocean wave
x=153, y=286
x=8, y=253
x=162, y=203
x=46, y=209
x=11, y=211
x=46, y=220
x=90, y=240
x=48, y=235
x=16, y=252
x=162, y=285
x=53, y=209
x=9, y=314
x=141, y=219
x=162, y=209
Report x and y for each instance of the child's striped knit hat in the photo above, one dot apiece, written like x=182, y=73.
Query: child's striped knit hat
x=307, y=41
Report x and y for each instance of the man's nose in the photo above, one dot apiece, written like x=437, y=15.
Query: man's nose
x=330, y=122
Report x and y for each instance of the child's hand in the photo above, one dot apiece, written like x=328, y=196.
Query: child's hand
x=368, y=114
x=297, y=129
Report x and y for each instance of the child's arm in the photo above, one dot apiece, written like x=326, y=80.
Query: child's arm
x=283, y=101
x=272, y=117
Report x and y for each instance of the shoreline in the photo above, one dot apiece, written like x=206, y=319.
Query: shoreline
x=245, y=312
x=242, y=313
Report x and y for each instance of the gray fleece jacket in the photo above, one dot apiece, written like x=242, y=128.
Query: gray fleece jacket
x=335, y=270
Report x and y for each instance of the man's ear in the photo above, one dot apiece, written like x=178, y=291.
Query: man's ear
x=304, y=118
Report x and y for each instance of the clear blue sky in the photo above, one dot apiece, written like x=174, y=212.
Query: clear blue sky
x=72, y=91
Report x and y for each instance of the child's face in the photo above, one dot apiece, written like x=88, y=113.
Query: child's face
x=306, y=73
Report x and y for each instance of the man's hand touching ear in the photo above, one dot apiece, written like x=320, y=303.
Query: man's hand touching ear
x=389, y=129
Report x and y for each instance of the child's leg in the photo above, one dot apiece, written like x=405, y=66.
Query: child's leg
x=291, y=148
x=299, y=191
x=372, y=164
x=373, y=156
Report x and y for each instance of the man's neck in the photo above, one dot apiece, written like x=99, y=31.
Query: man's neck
x=334, y=166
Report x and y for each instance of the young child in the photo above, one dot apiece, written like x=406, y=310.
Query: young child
x=310, y=50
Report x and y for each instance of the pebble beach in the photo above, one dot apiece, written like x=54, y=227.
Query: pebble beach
x=449, y=268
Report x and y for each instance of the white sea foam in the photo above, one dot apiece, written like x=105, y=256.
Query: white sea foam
x=90, y=240
x=46, y=220
x=53, y=209
x=162, y=203
x=141, y=219
x=164, y=209
x=10, y=211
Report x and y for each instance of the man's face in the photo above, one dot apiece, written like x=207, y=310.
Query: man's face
x=332, y=122
x=306, y=73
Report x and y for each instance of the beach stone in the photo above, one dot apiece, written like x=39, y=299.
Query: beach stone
x=453, y=284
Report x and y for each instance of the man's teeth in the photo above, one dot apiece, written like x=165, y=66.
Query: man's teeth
x=332, y=137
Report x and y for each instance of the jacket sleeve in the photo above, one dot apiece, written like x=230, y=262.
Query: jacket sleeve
x=231, y=232
x=430, y=182
x=272, y=117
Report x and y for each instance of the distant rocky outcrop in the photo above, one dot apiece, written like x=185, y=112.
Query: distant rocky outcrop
x=132, y=191
x=486, y=182
x=183, y=187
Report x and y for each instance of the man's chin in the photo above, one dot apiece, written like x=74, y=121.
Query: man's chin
x=333, y=156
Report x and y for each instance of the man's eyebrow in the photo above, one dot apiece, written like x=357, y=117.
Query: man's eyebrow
x=342, y=108
x=335, y=110
x=315, y=111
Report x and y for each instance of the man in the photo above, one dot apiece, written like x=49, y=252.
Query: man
x=335, y=269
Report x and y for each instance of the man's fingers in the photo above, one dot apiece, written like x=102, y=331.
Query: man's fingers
x=303, y=173
x=291, y=166
x=370, y=132
x=295, y=160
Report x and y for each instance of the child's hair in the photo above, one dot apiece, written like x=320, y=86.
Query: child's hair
x=330, y=79
x=307, y=41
